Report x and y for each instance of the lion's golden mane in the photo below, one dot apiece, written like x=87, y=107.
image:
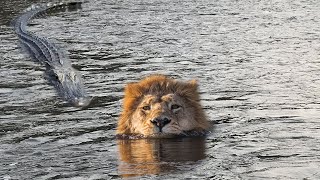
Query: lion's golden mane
x=160, y=97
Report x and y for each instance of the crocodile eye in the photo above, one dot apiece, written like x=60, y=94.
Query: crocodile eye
x=146, y=108
x=55, y=77
x=175, y=106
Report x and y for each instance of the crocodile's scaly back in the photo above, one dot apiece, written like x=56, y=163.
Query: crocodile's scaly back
x=59, y=72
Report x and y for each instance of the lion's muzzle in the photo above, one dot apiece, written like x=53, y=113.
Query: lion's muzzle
x=160, y=122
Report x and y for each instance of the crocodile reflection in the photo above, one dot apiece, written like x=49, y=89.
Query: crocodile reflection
x=154, y=156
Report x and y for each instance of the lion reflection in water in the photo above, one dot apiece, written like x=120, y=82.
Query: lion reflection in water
x=154, y=156
x=159, y=106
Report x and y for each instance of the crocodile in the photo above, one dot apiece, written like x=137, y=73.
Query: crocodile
x=58, y=70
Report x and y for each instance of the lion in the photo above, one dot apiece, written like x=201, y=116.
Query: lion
x=159, y=106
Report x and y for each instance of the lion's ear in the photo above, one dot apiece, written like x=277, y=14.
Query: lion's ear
x=190, y=90
x=132, y=90
x=131, y=93
x=193, y=84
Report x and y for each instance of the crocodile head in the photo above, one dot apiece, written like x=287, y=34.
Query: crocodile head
x=69, y=86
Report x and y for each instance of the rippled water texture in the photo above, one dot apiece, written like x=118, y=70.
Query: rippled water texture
x=257, y=63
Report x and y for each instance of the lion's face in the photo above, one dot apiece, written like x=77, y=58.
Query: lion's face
x=162, y=114
x=160, y=106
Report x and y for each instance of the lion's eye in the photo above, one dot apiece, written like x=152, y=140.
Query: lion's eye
x=175, y=106
x=146, y=108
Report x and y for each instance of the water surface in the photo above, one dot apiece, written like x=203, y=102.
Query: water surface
x=257, y=64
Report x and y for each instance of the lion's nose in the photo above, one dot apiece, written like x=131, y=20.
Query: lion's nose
x=160, y=122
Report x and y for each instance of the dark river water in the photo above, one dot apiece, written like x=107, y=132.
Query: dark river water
x=257, y=63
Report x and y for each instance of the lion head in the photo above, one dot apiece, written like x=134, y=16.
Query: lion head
x=159, y=105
